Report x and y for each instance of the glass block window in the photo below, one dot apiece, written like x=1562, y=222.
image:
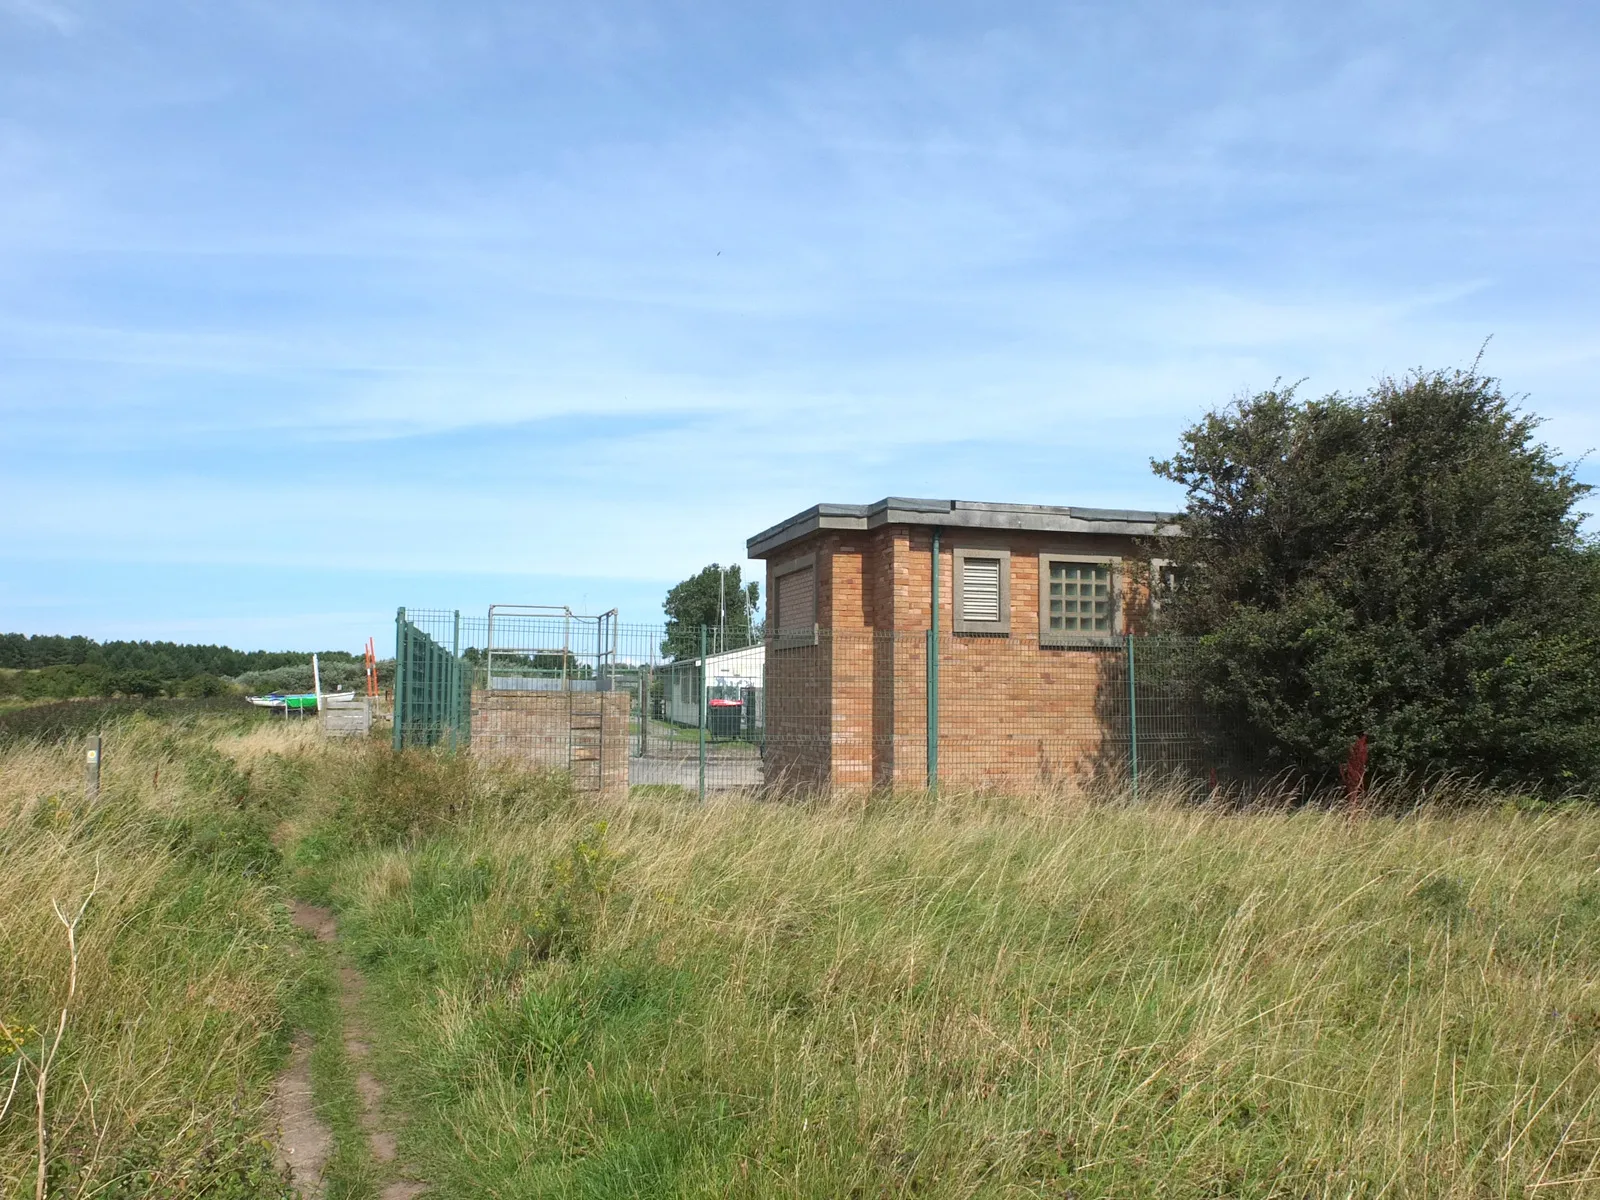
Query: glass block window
x=1080, y=598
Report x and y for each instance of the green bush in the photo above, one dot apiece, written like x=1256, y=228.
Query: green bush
x=239, y=842
x=133, y=683
x=336, y=677
x=75, y=718
x=69, y=681
x=210, y=771
x=231, y=827
x=202, y=687
x=389, y=796
x=63, y=682
x=1407, y=566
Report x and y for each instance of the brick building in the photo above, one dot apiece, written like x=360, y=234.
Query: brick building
x=1031, y=607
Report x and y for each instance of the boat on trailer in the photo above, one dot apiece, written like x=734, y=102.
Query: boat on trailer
x=303, y=701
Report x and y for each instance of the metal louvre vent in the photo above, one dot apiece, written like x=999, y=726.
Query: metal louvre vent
x=797, y=595
x=980, y=589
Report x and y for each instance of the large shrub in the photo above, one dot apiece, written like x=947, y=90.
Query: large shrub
x=61, y=682
x=204, y=687
x=1407, y=565
x=336, y=676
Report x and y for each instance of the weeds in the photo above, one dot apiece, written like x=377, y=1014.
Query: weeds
x=46, y=1060
x=386, y=797
x=577, y=886
x=390, y=797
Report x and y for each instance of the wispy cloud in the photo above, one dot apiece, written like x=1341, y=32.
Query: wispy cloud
x=485, y=260
x=49, y=14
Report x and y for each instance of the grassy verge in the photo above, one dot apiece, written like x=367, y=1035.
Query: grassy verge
x=186, y=965
x=950, y=996
x=191, y=976
x=961, y=998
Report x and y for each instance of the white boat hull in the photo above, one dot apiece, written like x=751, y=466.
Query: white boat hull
x=283, y=701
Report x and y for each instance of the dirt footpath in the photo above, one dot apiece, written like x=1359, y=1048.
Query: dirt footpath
x=305, y=1141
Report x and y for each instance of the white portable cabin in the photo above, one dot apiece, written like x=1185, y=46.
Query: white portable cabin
x=730, y=675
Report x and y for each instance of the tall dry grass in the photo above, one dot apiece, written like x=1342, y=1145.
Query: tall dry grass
x=936, y=996
x=185, y=965
x=964, y=996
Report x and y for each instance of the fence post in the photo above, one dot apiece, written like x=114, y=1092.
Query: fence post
x=644, y=711
x=458, y=695
x=399, y=677
x=437, y=671
x=435, y=697
x=91, y=769
x=430, y=709
x=702, y=713
x=1133, y=721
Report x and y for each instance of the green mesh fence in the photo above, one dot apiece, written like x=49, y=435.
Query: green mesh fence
x=619, y=705
x=432, y=683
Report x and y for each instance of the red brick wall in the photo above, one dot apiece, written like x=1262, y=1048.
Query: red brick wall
x=799, y=707
x=535, y=728
x=799, y=703
x=1012, y=712
x=851, y=711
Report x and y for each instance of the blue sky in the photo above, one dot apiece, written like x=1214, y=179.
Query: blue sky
x=311, y=309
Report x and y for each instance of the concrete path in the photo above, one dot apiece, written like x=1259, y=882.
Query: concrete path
x=741, y=772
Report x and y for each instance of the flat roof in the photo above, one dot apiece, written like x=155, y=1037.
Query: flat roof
x=961, y=514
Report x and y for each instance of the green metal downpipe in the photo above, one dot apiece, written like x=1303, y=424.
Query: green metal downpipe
x=1133, y=722
x=933, y=671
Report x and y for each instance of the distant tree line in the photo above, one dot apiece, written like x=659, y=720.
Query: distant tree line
x=44, y=666
x=167, y=660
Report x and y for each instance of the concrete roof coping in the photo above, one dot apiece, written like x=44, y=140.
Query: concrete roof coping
x=961, y=514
